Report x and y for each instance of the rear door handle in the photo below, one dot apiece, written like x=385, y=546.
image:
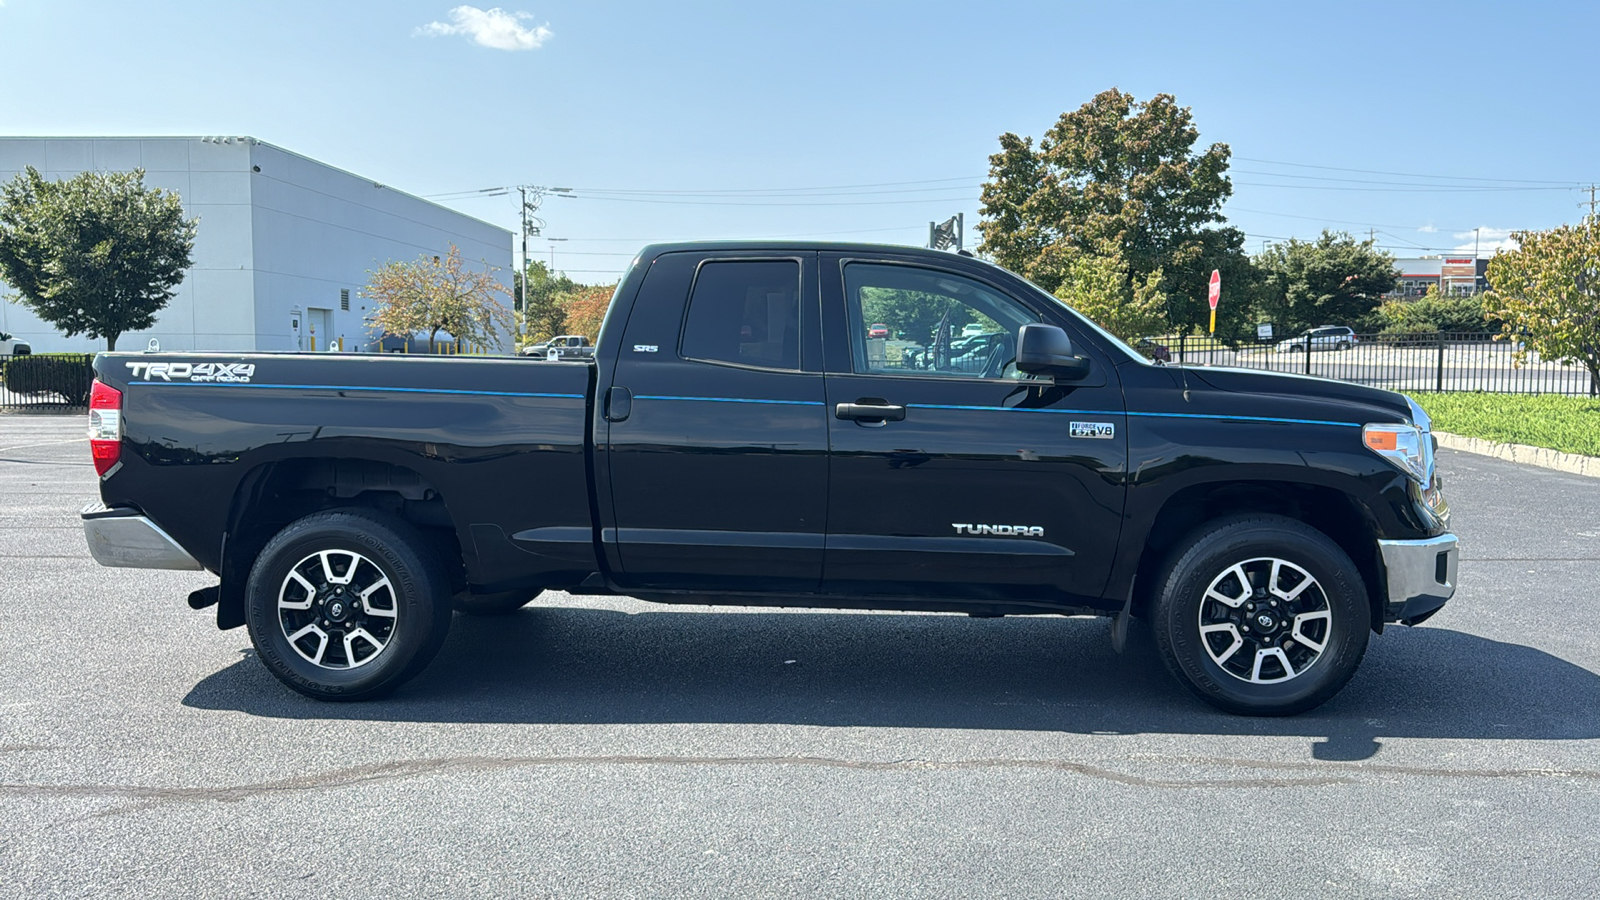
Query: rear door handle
x=875, y=412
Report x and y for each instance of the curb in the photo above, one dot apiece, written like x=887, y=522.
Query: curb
x=1543, y=457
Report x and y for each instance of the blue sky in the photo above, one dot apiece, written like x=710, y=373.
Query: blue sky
x=1484, y=113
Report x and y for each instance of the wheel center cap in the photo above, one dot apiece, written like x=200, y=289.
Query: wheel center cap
x=338, y=609
x=1266, y=621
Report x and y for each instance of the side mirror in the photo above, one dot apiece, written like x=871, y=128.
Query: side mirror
x=1046, y=350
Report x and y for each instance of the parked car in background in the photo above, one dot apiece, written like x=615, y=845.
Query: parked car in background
x=1323, y=337
x=10, y=346
x=565, y=346
x=877, y=330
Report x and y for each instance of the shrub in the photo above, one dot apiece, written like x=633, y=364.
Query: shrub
x=1433, y=312
x=69, y=374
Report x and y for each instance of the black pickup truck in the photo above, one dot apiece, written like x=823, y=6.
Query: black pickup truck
x=812, y=425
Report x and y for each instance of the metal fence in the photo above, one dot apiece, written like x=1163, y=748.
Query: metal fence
x=1418, y=362
x=46, y=381
x=1437, y=362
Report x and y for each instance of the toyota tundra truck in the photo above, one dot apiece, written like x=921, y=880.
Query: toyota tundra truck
x=745, y=434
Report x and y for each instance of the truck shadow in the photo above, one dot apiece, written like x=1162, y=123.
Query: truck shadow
x=548, y=665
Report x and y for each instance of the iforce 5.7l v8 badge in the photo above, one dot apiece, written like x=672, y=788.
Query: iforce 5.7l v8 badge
x=1094, y=430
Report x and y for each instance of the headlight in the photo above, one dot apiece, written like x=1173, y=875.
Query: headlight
x=1408, y=447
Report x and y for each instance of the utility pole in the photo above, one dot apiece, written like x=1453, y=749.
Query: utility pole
x=1592, y=201
x=947, y=234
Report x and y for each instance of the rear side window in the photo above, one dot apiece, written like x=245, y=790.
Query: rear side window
x=746, y=313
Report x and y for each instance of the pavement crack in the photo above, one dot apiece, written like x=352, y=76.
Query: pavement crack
x=141, y=797
x=1273, y=775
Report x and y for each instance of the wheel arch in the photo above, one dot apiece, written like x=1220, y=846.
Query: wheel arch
x=1334, y=512
x=275, y=493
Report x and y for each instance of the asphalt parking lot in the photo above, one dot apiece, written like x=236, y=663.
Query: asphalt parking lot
x=606, y=747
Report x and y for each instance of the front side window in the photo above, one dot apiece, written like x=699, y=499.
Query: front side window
x=746, y=313
x=906, y=320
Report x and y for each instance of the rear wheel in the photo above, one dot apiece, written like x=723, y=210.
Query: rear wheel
x=1262, y=615
x=347, y=604
x=1342, y=345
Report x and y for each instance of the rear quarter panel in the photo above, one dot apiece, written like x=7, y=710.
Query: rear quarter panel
x=502, y=440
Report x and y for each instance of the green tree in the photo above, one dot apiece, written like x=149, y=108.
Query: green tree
x=538, y=293
x=1334, y=280
x=98, y=254
x=434, y=295
x=1098, y=286
x=1122, y=173
x=1547, y=295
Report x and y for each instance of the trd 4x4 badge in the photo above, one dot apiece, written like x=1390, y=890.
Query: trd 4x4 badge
x=232, y=373
x=1093, y=430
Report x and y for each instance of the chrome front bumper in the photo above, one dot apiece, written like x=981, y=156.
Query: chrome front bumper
x=123, y=538
x=1421, y=575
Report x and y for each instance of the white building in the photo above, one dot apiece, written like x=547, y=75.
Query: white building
x=282, y=249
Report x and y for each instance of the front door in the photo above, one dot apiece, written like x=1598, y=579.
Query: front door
x=952, y=474
x=718, y=468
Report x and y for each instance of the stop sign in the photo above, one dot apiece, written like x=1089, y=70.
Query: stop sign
x=1215, y=293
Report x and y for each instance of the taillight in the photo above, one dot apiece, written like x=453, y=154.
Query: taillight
x=105, y=426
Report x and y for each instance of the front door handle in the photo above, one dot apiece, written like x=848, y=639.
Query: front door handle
x=870, y=411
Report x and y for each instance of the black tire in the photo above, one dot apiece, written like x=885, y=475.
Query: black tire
x=1342, y=345
x=334, y=659
x=1272, y=670
x=497, y=604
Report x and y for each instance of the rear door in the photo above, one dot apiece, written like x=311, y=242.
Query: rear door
x=952, y=474
x=718, y=436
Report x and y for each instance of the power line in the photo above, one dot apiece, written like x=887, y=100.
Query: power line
x=689, y=202
x=497, y=191
x=1262, y=212
x=1442, y=189
x=1399, y=183
x=1274, y=162
x=758, y=237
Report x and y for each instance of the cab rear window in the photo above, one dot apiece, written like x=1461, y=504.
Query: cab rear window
x=745, y=312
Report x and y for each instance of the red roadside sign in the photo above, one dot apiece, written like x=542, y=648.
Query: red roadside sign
x=1213, y=295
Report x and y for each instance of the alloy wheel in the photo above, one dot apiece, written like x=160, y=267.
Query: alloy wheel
x=1265, y=620
x=337, y=609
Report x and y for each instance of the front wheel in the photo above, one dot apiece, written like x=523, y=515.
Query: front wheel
x=347, y=604
x=1262, y=615
x=1342, y=345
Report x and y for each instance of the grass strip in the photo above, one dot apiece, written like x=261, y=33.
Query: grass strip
x=1568, y=424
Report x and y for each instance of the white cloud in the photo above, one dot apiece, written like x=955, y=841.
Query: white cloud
x=1489, y=241
x=494, y=28
x=1427, y=229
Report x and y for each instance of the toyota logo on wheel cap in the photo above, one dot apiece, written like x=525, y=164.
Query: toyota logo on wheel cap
x=1264, y=620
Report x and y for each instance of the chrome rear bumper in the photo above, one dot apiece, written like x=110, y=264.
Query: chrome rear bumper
x=1421, y=575
x=123, y=538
